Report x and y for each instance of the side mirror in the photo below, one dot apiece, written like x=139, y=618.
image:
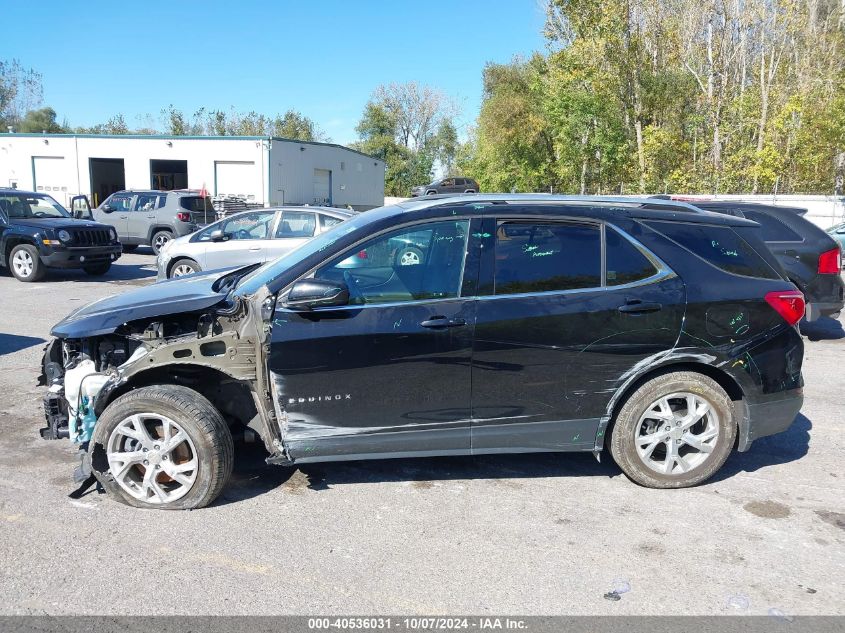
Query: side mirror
x=317, y=293
x=841, y=231
x=107, y=208
x=218, y=235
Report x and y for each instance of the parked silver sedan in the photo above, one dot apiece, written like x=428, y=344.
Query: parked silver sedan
x=246, y=238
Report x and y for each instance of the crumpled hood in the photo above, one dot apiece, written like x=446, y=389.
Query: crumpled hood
x=183, y=294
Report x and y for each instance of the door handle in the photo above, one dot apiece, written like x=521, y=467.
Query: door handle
x=124, y=217
x=638, y=307
x=151, y=217
x=441, y=323
x=255, y=248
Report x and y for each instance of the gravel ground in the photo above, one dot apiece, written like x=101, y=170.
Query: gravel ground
x=528, y=534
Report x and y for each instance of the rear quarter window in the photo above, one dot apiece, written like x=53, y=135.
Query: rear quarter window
x=719, y=246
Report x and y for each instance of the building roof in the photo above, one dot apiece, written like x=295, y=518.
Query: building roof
x=172, y=137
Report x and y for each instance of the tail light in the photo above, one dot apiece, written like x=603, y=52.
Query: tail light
x=183, y=216
x=788, y=303
x=830, y=262
x=362, y=254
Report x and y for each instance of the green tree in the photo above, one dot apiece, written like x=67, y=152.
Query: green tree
x=42, y=120
x=296, y=126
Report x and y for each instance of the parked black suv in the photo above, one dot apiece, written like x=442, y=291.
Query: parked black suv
x=446, y=185
x=530, y=323
x=811, y=258
x=37, y=233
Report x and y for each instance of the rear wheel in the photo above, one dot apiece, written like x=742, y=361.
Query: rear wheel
x=159, y=239
x=675, y=431
x=162, y=447
x=184, y=267
x=97, y=269
x=25, y=263
x=409, y=256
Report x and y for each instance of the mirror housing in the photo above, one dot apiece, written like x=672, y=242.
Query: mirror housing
x=841, y=231
x=307, y=294
x=107, y=208
x=218, y=235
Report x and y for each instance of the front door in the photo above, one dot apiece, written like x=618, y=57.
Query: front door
x=115, y=211
x=245, y=240
x=557, y=332
x=142, y=217
x=388, y=374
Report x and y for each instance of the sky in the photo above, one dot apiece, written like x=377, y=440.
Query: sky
x=323, y=58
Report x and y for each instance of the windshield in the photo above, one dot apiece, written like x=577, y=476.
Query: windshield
x=31, y=205
x=269, y=271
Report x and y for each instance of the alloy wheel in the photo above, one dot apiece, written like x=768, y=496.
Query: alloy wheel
x=677, y=433
x=409, y=258
x=182, y=269
x=152, y=458
x=160, y=240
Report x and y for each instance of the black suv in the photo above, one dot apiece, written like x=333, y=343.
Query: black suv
x=446, y=185
x=530, y=323
x=37, y=233
x=811, y=258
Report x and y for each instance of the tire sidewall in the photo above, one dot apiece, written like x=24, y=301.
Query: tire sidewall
x=623, y=446
x=143, y=401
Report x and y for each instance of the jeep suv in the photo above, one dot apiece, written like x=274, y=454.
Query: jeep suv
x=529, y=323
x=37, y=233
x=154, y=217
x=446, y=185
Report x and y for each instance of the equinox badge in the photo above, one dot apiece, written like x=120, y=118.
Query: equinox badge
x=335, y=397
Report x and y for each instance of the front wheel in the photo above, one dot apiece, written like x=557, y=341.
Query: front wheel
x=97, y=269
x=184, y=267
x=160, y=238
x=25, y=263
x=675, y=431
x=162, y=447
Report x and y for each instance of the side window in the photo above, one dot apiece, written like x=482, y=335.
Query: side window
x=625, y=263
x=447, y=182
x=411, y=264
x=296, y=224
x=162, y=201
x=773, y=230
x=718, y=245
x=145, y=202
x=543, y=257
x=120, y=202
x=327, y=221
x=244, y=226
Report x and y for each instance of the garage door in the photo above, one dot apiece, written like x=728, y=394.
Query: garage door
x=50, y=176
x=234, y=178
x=322, y=187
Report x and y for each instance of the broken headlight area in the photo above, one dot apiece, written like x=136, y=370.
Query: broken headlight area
x=75, y=371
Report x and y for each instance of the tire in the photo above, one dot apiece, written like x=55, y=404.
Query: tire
x=97, y=269
x=635, y=420
x=25, y=263
x=181, y=267
x=129, y=248
x=159, y=239
x=431, y=193
x=470, y=191
x=207, y=440
x=409, y=256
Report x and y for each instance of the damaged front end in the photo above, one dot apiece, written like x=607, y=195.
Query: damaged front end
x=214, y=347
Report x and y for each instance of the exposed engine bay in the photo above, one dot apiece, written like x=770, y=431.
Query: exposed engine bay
x=218, y=352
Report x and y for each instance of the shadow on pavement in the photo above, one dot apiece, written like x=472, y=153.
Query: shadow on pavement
x=789, y=446
x=824, y=329
x=252, y=476
x=10, y=343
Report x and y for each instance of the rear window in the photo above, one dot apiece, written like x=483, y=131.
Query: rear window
x=625, y=263
x=773, y=230
x=719, y=246
x=546, y=257
x=196, y=203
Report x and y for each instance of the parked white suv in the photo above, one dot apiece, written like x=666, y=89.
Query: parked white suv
x=246, y=238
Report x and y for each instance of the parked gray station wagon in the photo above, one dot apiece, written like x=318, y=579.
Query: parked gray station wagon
x=152, y=217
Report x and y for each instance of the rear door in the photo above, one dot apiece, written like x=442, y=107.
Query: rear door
x=142, y=216
x=558, y=326
x=246, y=238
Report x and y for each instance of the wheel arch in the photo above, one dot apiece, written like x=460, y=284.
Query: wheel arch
x=155, y=228
x=721, y=377
x=9, y=242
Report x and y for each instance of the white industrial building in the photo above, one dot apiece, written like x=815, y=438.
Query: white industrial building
x=265, y=170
